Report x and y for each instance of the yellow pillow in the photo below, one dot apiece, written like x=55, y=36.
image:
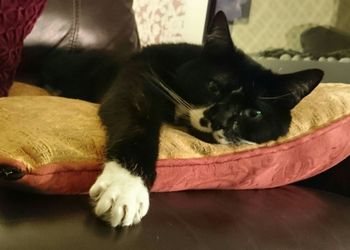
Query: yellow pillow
x=56, y=145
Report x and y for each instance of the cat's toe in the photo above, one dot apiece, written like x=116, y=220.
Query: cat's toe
x=120, y=198
x=123, y=205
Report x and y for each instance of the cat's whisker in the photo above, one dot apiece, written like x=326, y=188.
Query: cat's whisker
x=274, y=97
x=172, y=97
x=169, y=93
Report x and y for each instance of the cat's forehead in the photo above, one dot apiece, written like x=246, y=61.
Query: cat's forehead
x=222, y=77
x=228, y=79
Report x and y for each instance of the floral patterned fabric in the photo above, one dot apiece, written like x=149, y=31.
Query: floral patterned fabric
x=160, y=21
x=17, y=18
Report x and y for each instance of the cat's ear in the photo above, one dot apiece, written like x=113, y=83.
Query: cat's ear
x=290, y=89
x=218, y=37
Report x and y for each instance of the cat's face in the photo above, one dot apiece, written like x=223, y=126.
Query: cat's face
x=237, y=100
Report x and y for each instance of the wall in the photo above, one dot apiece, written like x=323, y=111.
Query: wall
x=278, y=23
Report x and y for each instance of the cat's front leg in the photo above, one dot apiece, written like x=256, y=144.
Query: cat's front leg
x=132, y=120
x=121, y=198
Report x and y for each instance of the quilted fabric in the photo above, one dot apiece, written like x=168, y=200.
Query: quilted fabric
x=58, y=146
x=17, y=18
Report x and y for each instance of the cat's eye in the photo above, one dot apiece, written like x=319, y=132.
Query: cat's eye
x=253, y=114
x=214, y=87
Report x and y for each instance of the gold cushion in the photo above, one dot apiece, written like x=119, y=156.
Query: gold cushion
x=42, y=131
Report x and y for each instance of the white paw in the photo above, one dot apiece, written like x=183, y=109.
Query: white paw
x=121, y=198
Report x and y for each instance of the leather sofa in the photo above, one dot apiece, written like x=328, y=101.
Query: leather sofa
x=290, y=217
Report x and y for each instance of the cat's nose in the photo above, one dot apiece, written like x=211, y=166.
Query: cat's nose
x=216, y=126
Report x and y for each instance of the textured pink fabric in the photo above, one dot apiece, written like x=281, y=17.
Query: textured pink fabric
x=261, y=168
x=17, y=18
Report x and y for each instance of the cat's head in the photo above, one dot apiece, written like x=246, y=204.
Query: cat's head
x=238, y=100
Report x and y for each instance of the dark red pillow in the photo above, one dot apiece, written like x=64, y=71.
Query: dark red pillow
x=17, y=18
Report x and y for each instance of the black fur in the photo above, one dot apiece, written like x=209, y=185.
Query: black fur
x=244, y=100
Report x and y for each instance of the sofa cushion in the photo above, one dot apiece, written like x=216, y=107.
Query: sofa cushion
x=56, y=145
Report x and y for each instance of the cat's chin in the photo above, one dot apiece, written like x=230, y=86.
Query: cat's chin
x=217, y=137
x=221, y=139
x=242, y=141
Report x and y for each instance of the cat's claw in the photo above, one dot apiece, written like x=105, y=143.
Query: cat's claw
x=120, y=198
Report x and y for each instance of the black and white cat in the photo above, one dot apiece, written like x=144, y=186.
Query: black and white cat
x=215, y=90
